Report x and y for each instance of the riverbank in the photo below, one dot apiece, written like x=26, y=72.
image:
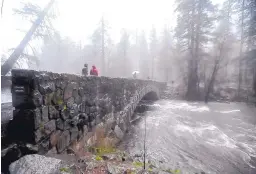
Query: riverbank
x=87, y=160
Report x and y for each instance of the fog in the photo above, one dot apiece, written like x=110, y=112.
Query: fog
x=160, y=39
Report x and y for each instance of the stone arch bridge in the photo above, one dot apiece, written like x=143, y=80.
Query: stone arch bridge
x=53, y=110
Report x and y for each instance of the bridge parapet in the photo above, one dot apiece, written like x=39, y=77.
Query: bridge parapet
x=53, y=110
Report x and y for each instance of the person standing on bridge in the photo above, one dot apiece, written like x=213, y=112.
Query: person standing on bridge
x=94, y=71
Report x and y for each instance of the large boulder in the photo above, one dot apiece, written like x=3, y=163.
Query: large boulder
x=36, y=164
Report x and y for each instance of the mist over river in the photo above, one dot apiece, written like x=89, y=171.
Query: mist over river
x=196, y=137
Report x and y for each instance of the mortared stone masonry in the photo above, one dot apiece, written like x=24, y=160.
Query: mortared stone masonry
x=53, y=110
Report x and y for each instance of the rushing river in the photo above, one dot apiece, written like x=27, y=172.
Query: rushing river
x=195, y=137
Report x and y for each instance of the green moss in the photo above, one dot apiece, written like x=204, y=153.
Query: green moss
x=137, y=164
x=64, y=169
x=176, y=171
x=101, y=151
x=98, y=158
x=60, y=101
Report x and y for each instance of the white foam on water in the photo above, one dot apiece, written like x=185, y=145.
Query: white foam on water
x=227, y=112
x=186, y=107
x=208, y=133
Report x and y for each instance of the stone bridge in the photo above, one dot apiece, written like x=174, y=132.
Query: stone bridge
x=53, y=110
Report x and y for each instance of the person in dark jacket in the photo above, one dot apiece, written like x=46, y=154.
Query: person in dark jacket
x=94, y=71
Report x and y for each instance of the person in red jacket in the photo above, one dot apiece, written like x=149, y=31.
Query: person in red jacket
x=94, y=71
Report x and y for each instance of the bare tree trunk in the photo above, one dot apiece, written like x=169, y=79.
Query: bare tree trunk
x=192, y=76
x=211, y=83
x=103, y=46
x=8, y=64
x=241, y=51
x=152, y=71
x=254, y=80
x=2, y=6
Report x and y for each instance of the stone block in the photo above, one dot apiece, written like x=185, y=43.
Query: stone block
x=46, y=87
x=92, y=109
x=82, y=107
x=45, y=114
x=83, y=116
x=53, y=113
x=68, y=91
x=73, y=133
x=119, y=133
x=44, y=146
x=87, y=110
x=85, y=129
x=37, y=98
x=78, y=99
x=54, y=138
x=64, y=114
x=58, y=97
x=63, y=125
x=73, y=111
x=47, y=99
x=49, y=127
x=70, y=102
x=63, y=141
x=74, y=121
x=60, y=84
x=38, y=135
x=81, y=91
x=97, y=119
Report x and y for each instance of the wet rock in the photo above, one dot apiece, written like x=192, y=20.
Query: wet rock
x=118, y=132
x=70, y=102
x=36, y=116
x=64, y=114
x=60, y=84
x=63, y=125
x=82, y=107
x=45, y=114
x=63, y=141
x=73, y=133
x=81, y=91
x=47, y=99
x=54, y=138
x=73, y=110
x=46, y=87
x=53, y=113
x=73, y=122
x=83, y=116
x=35, y=164
x=38, y=135
x=75, y=93
x=57, y=97
x=44, y=146
x=37, y=98
x=68, y=91
x=49, y=127
x=85, y=129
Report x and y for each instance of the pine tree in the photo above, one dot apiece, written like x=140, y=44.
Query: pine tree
x=153, y=49
x=143, y=55
x=124, y=46
x=101, y=41
x=164, y=63
x=222, y=43
x=194, y=22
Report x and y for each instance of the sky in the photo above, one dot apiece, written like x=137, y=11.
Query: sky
x=77, y=19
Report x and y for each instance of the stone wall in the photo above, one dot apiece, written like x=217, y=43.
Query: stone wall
x=54, y=110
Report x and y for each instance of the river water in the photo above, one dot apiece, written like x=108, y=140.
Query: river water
x=196, y=137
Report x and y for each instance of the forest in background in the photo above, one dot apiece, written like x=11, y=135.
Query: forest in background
x=210, y=47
